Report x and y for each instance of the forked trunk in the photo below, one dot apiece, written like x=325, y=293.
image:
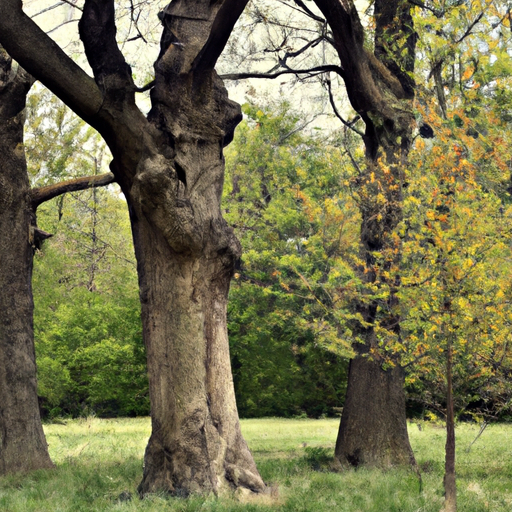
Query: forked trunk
x=170, y=167
x=22, y=443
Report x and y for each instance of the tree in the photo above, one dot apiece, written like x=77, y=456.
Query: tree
x=380, y=88
x=170, y=168
x=23, y=446
x=285, y=196
x=459, y=242
x=22, y=443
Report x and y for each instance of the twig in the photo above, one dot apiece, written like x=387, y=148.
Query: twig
x=483, y=426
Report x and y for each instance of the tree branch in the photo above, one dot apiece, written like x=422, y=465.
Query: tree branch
x=55, y=6
x=308, y=12
x=20, y=36
x=438, y=13
x=471, y=26
x=338, y=115
x=97, y=29
x=42, y=194
x=316, y=70
x=222, y=26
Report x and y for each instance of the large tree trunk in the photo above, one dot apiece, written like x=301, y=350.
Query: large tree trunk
x=185, y=251
x=22, y=443
x=186, y=254
x=373, y=431
x=196, y=443
x=380, y=86
x=170, y=168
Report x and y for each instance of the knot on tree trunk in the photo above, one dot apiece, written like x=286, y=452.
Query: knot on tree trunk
x=159, y=188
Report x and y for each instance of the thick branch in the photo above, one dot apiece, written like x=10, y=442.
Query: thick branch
x=43, y=194
x=312, y=15
x=20, y=36
x=367, y=79
x=97, y=29
x=222, y=27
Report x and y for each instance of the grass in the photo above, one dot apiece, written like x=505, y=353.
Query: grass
x=100, y=460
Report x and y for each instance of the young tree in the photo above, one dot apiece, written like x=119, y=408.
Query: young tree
x=170, y=168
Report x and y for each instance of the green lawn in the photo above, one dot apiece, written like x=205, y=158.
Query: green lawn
x=97, y=460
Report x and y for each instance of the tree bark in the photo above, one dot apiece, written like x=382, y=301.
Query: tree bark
x=373, y=428
x=170, y=167
x=450, y=483
x=374, y=433
x=22, y=443
x=43, y=194
x=186, y=255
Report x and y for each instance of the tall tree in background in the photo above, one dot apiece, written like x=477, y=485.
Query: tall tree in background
x=170, y=168
x=22, y=443
x=380, y=88
x=290, y=210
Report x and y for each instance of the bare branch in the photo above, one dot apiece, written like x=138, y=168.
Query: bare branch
x=72, y=4
x=337, y=113
x=20, y=35
x=43, y=194
x=222, y=26
x=289, y=71
x=54, y=6
x=146, y=87
x=469, y=30
x=73, y=20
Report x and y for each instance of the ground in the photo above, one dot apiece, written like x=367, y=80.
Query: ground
x=99, y=464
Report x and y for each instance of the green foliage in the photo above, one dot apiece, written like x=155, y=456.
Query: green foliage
x=286, y=197
x=456, y=276
x=87, y=322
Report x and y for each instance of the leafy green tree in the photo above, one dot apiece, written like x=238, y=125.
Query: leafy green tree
x=87, y=312
x=287, y=198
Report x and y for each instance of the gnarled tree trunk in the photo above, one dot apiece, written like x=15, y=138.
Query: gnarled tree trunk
x=186, y=254
x=22, y=443
x=170, y=168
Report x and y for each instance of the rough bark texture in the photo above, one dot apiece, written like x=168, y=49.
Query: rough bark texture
x=373, y=428
x=22, y=443
x=170, y=167
x=373, y=434
x=186, y=254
